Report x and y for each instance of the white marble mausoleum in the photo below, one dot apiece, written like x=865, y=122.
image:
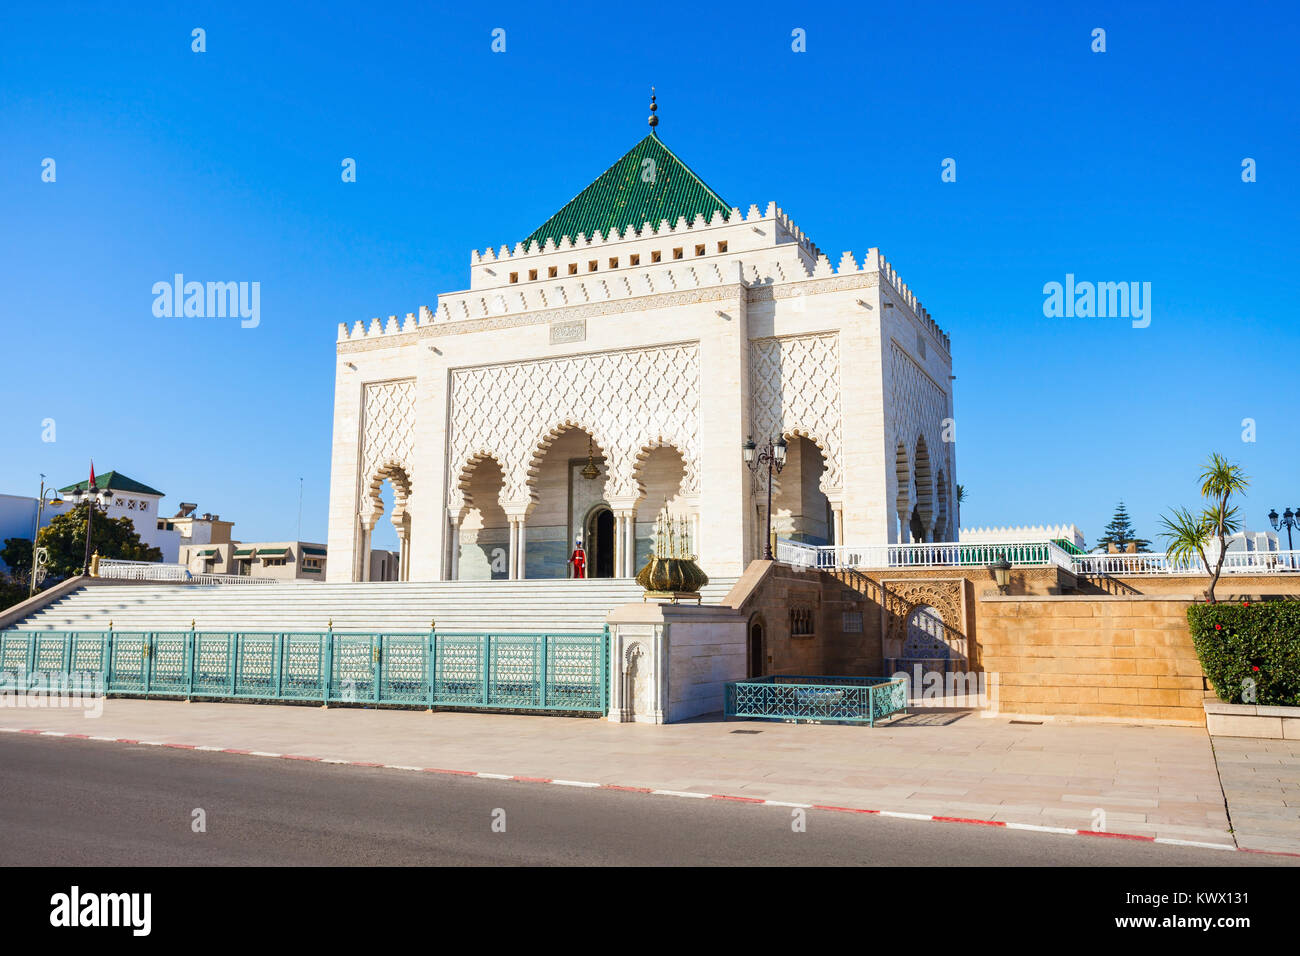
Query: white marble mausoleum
x=641, y=335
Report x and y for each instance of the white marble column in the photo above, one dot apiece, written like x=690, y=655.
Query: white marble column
x=512, y=548
x=630, y=554
x=521, y=544
x=453, y=559
x=620, y=552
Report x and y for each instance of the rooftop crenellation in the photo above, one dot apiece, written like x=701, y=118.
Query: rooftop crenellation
x=631, y=282
x=646, y=230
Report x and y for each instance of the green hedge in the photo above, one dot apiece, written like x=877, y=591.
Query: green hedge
x=1255, y=641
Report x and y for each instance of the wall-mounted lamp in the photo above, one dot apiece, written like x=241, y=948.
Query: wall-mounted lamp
x=1001, y=569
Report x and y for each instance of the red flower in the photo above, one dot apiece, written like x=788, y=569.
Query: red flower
x=1255, y=668
x=1218, y=627
x=1245, y=604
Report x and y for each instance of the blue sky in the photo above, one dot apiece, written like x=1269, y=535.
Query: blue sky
x=225, y=165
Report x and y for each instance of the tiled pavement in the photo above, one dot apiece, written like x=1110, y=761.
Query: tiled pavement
x=1145, y=780
x=1261, y=782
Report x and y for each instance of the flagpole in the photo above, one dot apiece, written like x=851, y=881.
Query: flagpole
x=90, y=512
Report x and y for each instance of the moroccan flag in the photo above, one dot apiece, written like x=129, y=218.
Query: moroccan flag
x=92, y=474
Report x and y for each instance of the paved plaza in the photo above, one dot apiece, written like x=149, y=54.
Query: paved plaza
x=1157, y=781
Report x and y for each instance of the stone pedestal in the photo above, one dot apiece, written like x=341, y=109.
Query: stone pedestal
x=669, y=662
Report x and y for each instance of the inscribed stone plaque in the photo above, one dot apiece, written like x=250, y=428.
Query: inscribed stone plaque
x=562, y=333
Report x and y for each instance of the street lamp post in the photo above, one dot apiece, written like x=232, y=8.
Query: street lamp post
x=94, y=501
x=773, y=456
x=38, y=571
x=1288, y=519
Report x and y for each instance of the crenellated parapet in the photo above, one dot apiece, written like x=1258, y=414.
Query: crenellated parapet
x=1021, y=533
x=663, y=231
x=755, y=249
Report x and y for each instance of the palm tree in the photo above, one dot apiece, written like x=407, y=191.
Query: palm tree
x=1187, y=534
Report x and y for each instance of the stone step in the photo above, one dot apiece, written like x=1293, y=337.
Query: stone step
x=391, y=606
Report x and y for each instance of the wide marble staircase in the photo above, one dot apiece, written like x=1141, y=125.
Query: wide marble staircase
x=491, y=606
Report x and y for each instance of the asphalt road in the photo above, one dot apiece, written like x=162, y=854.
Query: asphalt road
x=81, y=803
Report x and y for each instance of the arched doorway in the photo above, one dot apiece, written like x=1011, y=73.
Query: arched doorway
x=916, y=526
x=929, y=643
x=482, y=541
x=756, y=649
x=567, y=480
x=800, y=509
x=661, y=478
x=388, y=492
x=598, y=537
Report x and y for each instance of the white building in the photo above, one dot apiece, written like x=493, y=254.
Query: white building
x=17, y=518
x=280, y=560
x=1021, y=533
x=195, y=528
x=130, y=499
x=647, y=329
x=1246, y=540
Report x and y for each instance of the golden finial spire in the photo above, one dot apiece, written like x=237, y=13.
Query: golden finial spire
x=654, y=120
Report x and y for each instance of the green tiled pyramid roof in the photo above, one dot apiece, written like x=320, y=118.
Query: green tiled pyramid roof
x=621, y=196
x=115, y=481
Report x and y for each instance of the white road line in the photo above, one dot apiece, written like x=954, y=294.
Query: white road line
x=682, y=793
x=495, y=776
x=786, y=803
x=906, y=816
x=1207, y=846
x=263, y=753
x=575, y=783
x=1041, y=829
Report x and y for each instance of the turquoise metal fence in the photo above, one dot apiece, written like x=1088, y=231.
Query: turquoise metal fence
x=566, y=671
x=798, y=697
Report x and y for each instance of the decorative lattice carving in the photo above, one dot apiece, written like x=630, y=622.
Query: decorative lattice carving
x=387, y=442
x=627, y=400
x=794, y=388
x=915, y=413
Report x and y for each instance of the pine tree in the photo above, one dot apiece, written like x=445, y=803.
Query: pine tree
x=1121, y=533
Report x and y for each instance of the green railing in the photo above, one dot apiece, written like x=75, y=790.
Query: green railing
x=566, y=671
x=1068, y=546
x=797, y=697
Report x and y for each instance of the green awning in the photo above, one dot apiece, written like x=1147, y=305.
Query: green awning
x=317, y=552
x=244, y=553
x=208, y=552
x=272, y=552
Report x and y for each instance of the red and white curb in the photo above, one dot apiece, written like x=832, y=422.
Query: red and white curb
x=896, y=814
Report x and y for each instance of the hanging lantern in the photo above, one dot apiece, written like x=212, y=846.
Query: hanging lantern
x=590, y=471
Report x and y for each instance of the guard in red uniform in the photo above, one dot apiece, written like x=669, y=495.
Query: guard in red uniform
x=579, y=559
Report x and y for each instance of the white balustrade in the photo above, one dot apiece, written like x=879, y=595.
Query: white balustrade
x=119, y=569
x=953, y=554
